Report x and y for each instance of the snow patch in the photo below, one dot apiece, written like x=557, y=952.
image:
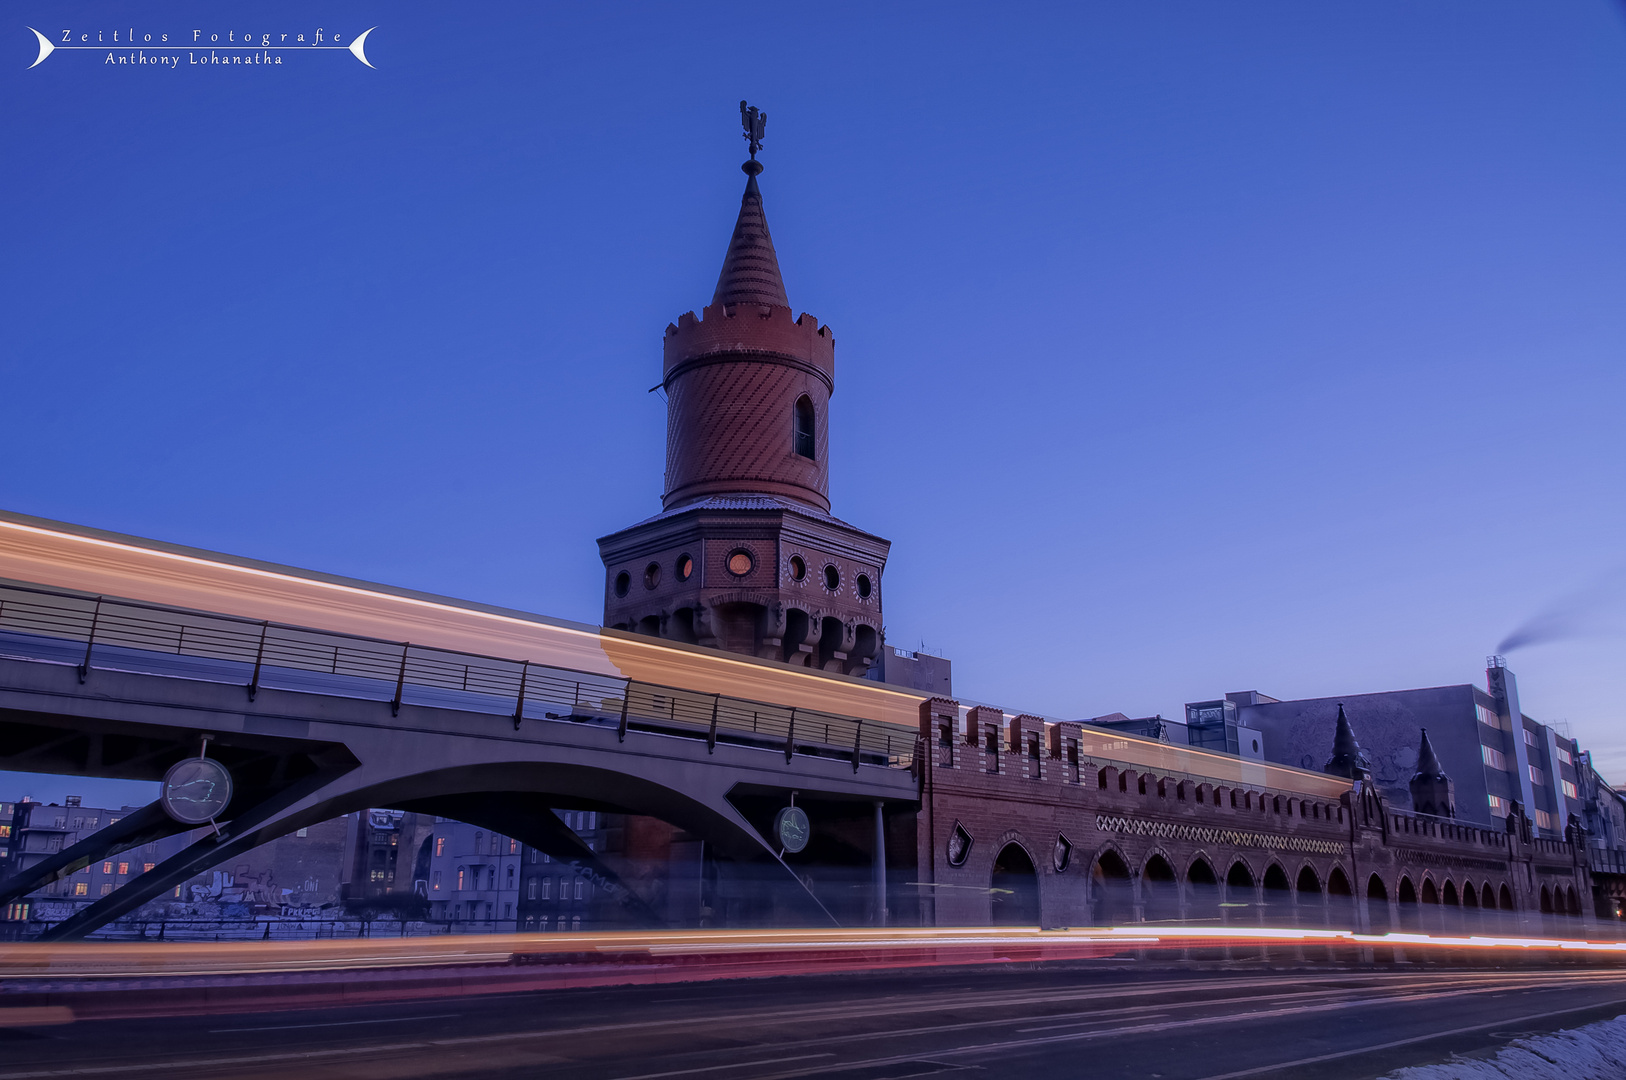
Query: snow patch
x=1594, y=1052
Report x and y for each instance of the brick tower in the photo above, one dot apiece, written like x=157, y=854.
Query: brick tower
x=745, y=555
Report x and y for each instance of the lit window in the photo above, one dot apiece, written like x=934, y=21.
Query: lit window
x=740, y=563
x=107, y=868
x=146, y=867
x=5, y=831
x=437, y=880
x=124, y=868
x=1493, y=757
x=798, y=568
x=1569, y=789
x=82, y=889
x=513, y=847
x=460, y=879
x=685, y=567
x=440, y=845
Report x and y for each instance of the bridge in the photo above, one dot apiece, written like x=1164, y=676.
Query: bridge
x=314, y=722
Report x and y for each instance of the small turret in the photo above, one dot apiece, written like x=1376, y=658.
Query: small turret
x=1347, y=757
x=1432, y=792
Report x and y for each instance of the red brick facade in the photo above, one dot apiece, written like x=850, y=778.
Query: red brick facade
x=1111, y=844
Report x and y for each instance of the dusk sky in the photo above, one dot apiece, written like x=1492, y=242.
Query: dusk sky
x=1181, y=348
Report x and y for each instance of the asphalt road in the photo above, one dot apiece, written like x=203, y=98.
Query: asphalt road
x=1071, y=1021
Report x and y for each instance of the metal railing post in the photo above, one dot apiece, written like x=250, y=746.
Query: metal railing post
x=790, y=737
x=858, y=735
x=626, y=698
x=259, y=656
x=519, y=708
x=711, y=736
x=400, y=682
x=84, y=668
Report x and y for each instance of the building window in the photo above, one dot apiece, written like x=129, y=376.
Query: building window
x=652, y=575
x=578, y=888
x=1564, y=756
x=1537, y=776
x=436, y=880
x=83, y=889
x=490, y=908
x=107, y=868
x=146, y=867
x=576, y=922
x=832, y=578
x=1569, y=789
x=460, y=879
x=863, y=586
x=124, y=868
x=623, y=581
x=740, y=563
x=106, y=888
x=510, y=877
x=798, y=568
x=1544, y=820
x=508, y=911
x=479, y=841
x=547, y=888
x=302, y=833
x=1498, y=805
x=685, y=567
x=1488, y=718
x=513, y=846
x=1493, y=757
x=440, y=845
x=805, y=445
x=530, y=889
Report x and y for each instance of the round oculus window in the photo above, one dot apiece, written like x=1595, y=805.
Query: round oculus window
x=740, y=563
x=863, y=586
x=798, y=568
x=623, y=581
x=832, y=578
x=652, y=575
x=685, y=567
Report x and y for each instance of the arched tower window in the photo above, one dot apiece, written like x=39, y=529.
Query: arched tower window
x=804, y=427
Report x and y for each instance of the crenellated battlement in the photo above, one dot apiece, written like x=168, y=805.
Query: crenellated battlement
x=760, y=329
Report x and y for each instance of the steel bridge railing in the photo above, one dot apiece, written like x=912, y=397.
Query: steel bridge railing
x=94, y=633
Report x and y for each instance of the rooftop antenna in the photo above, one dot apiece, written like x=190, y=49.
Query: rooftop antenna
x=755, y=122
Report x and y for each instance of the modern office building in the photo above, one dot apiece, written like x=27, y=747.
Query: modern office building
x=1491, y=750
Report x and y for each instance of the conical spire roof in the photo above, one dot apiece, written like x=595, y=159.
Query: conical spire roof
x=1347, y=758
x=751, y=269
x=1428, y=763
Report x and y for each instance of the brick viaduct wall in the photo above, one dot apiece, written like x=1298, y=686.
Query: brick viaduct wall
x=1111, y=844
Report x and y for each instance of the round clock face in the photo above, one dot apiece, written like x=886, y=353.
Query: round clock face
x=793, y=829
x=196, y=791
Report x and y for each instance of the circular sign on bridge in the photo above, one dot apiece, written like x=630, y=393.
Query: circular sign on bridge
x=196, y=791
x=793, y=829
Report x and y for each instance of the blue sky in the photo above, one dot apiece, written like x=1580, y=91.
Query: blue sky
x=1182, y=348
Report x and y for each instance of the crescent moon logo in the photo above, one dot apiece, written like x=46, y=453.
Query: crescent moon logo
x=46, y=49
x=358, y=46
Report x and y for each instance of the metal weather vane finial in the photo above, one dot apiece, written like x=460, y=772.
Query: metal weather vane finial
x=756, y=125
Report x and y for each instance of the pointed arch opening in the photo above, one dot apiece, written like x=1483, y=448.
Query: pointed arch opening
x=1160, y=891
x=1377, y=905
x=1202, y=893
x=806, y=443
x=1278, y=897
x=1506, y=902
x=1014, y=890
x=1111, y=901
